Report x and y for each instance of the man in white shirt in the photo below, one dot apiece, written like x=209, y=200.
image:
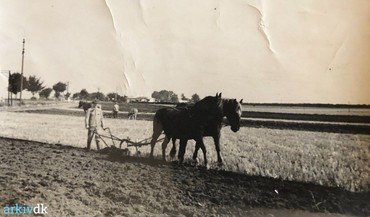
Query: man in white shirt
x=115, y=110
x=94, y=123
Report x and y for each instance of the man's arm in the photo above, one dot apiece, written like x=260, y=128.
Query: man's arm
x=101, y=120
x=87, y=118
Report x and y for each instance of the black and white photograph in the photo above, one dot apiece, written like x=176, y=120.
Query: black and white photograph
x=185, y=108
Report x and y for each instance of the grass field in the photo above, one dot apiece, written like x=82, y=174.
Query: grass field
x=329, y=159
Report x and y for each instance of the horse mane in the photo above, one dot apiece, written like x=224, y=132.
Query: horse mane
x=227, y=105
x=227, y=102
x=208, y=107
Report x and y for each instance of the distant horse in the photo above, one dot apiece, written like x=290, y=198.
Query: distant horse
x=195, y=122
x=133, y=113
x=84, y=105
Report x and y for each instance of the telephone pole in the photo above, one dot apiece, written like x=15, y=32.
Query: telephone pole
x=20, y=96
x=115, y=95
x=8, y=73
x=9, y=93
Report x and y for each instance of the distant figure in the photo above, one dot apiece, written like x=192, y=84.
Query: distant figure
x=133, y=113
x=84, y=105
x=115, y=110
x=94, y=123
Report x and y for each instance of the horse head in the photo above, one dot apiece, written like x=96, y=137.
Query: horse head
x=215, y=108
x=232, y=109
x=208, y=108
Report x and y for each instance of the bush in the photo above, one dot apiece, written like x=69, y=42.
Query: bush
x=59, y=88
x=45, y=93
x=97, y=95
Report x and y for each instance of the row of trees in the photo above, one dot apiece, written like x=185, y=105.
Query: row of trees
x=159, y=96
x=34, y=85
x=170, y=96
x=84, y=95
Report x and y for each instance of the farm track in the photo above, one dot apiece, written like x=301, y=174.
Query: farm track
x=304, y=122
x=109, y=183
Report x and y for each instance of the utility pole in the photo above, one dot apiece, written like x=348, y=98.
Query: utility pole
x=9, y=89
x=115, y=95
x=66, y=98
x=20, y=96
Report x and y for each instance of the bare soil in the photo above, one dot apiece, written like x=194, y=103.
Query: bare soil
x=75, y=182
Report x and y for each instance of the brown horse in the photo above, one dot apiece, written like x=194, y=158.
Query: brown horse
x=84, y=105
x=195, y=122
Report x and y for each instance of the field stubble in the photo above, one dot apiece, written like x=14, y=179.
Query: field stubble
x=329, y=159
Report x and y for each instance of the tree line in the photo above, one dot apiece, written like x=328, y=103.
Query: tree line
x=84, y=95
x=170, y=96
x=35, y=85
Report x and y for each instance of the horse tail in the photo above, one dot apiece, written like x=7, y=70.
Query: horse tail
x=157, y=131
x=157, y=124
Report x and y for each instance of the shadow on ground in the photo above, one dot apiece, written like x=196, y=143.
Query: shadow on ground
x=200, y=185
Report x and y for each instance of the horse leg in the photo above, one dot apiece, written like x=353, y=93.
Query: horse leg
x=173, y=149
x=195, y=154
x=201, y=145
x=157, y=130
x=182, y=148
x=216, y=139
x=164, y=146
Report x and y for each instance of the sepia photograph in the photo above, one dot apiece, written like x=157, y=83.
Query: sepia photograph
x=186, y=108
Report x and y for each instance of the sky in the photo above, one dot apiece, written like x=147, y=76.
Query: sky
x=282, y=51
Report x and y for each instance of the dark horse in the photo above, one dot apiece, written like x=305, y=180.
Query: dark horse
x=84, y=105
x=202, y=119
